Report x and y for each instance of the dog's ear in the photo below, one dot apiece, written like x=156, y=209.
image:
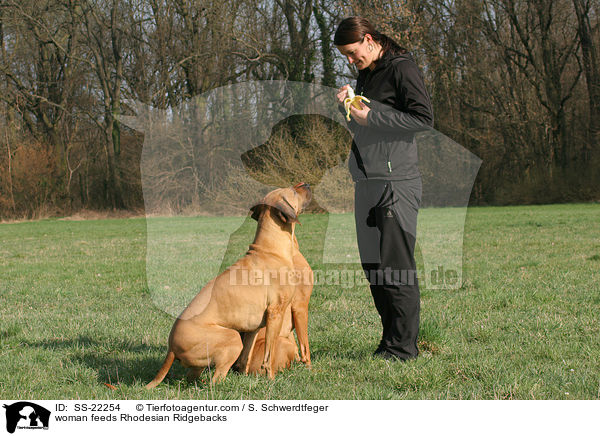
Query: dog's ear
x=256, y=211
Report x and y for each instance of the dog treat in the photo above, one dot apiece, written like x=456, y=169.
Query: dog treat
x=353, y=100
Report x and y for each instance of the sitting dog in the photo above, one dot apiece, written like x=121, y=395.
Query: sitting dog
x=254, y=292
x=296, y=317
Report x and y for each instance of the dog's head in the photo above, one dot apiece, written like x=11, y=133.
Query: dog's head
x=285, y=204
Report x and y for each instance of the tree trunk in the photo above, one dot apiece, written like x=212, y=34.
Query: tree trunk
x=591, y=67
x=326, y=49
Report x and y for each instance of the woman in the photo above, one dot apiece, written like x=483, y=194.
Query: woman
x=384, y=167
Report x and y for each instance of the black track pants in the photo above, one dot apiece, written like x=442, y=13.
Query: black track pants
x=386, y=220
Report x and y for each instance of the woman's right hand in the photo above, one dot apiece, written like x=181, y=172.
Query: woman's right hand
x=342, y=94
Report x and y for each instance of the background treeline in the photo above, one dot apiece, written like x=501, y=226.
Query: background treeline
x=516, y=82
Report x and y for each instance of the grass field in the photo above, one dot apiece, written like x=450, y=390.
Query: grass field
x=79, y=309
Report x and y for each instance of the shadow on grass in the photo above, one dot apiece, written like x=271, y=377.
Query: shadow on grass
x=123, y=363
x=341, y=352
x=115, y=361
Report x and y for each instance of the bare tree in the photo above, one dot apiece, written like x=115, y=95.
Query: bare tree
x=588, y=39
x=104, y=24
x=39, y=69
x=538, y=39
x=327, y=17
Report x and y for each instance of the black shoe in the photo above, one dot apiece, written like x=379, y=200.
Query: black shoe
x=384, y=354
x=380, y=348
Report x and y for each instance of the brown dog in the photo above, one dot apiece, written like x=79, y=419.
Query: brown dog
x=296, y=317
x=254, y=292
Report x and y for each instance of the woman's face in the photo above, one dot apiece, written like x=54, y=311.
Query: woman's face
x=358, y=53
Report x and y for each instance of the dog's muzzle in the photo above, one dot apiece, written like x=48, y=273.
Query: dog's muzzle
x=308, y=193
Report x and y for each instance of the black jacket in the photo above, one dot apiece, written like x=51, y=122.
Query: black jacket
x=400, y=107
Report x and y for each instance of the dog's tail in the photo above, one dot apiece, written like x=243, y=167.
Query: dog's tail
x=162, y=372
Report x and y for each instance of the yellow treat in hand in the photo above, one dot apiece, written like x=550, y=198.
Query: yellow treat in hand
x=353, y=100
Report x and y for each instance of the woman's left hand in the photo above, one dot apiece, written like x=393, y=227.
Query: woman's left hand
x=360, y=115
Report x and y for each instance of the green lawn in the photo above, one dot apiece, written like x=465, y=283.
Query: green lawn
x=81, y=307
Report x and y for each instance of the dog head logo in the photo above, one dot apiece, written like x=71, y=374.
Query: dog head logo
x=221, y=152
x=26, y=415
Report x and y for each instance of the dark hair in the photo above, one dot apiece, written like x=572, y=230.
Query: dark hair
x=354, y=29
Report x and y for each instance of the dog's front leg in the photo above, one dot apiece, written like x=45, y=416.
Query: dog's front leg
x=300, y=320
x=274, y=322
x=248, y=339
